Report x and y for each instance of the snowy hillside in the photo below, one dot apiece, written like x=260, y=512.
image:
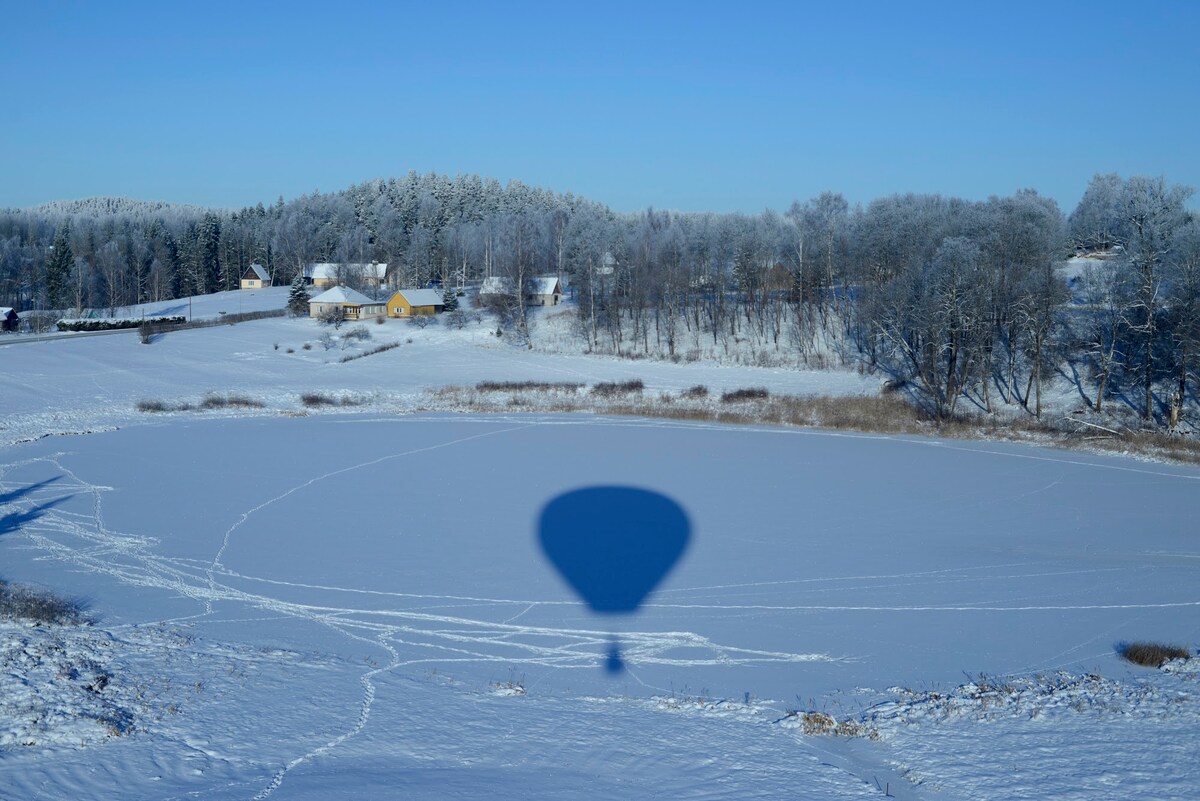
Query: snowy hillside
x=354, y=604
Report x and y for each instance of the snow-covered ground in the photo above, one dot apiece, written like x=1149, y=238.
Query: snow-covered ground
x=356, y=606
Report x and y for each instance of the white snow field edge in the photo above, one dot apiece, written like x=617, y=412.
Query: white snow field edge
x=350, y=606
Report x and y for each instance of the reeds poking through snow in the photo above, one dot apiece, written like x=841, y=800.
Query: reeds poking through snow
x=1151, y=654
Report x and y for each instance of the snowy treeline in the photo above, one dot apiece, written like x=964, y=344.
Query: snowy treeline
x=969, y=300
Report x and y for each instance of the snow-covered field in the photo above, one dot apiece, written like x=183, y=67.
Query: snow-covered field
x=356, y=606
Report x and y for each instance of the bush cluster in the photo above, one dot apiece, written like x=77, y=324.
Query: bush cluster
x=315, y=399
x=611, y=389
x=116, y=324
x=216, y=401
x=351, y=357
x=745, y=394
x=1152, y=654
x=212, y=400
x=527, y=386
x=38, y=606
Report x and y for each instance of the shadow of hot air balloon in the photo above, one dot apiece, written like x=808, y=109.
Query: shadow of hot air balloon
x=613, y=545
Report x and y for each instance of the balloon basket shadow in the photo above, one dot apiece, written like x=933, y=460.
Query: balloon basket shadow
x=613, y=663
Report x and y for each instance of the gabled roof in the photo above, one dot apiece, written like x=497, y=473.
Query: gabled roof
x=345, y=295
x=422, y=297
x=259, y=272
x=327, y=270
x=543, y=285
x=6, y=310
x=496, y=285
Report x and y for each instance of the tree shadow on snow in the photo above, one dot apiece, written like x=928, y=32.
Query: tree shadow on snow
x=15, y=520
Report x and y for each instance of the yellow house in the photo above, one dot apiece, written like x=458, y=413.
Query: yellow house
x=255, y=277
x=415, y=302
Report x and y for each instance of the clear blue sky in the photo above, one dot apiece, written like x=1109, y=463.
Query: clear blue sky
x=730, y=106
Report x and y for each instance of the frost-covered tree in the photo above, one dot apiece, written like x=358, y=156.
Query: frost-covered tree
x=1154, y=212
x=58, y=270
x=1099, y=221
x=297, y=303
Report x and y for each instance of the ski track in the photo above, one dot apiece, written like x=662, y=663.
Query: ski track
x=424, y=632
x=85, y=541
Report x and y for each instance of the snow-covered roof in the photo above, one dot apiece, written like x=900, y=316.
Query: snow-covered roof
x=537, y=285
x=259, y=272
x=496, y=285
x=422, y=297
x=327, y=270
x=344, y=294
x=6, y=310
x=543, y=285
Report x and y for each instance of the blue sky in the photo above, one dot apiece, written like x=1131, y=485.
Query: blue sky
x=692, y=106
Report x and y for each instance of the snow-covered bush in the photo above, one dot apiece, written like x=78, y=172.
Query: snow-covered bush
x=38, y=606
x=116, y=323
x=1152, y=654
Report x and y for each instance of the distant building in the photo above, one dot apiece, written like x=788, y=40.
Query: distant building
x=354, y=305
x=495, y=287
x=328, y=273
x=542, y=290
x=9, y=321
x=255, y=277
x=415, y=302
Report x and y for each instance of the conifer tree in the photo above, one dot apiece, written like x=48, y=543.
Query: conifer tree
x=297, y=303
x=449, y=299
x=58, y=270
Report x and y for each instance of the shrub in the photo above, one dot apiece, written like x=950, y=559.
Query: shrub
x=351, y=357
x=745, y=394
x=315, y=399
x=525, y=386
x=307, y=346
x=331, y=315
x=152, y=406
x=38, y=606
x=380, y=319
x=612, y=389
x=358, y=332
x=326, y=339
x=1151, y=654
x=698, y=392
x=116, y=323
x=291, y=350
x=821, y=724
x=216, y=401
